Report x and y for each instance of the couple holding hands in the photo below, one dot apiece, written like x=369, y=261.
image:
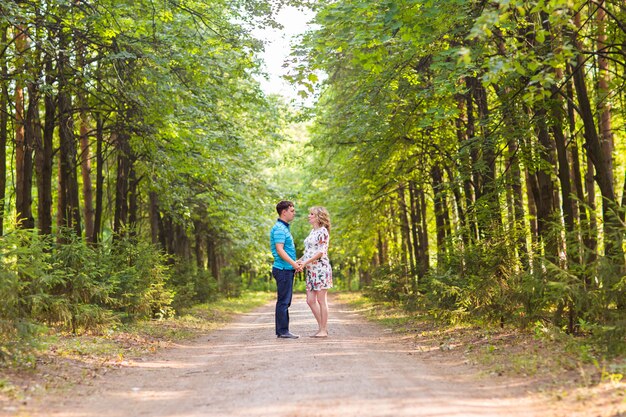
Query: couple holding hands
x=315, y=263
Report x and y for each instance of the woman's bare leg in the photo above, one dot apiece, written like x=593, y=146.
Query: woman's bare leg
x=311, y=300
x=323, y=309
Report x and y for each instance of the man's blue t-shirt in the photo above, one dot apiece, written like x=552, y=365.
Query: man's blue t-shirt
x=281, y=234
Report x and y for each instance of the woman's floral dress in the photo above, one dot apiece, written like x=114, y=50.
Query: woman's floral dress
x=319, y=274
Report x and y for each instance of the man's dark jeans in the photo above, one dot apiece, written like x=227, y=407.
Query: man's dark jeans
x=284, y=287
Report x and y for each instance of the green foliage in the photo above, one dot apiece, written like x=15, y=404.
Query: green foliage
x=231, y=284
x=390, y=283
x=72, y=286
x=138, y=274
x=191, y=285
x=472, y=104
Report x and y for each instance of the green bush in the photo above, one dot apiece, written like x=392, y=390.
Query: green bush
x=62, y=282
x=390, y=283
x=231, y=283
x=139, y=275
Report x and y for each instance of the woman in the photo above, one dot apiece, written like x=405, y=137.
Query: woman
x=319, y=275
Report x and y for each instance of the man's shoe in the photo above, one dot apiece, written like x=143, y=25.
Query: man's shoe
x=288, y=335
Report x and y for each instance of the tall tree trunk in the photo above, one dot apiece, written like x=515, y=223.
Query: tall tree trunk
x=440, y=214
x=425, y=250
x=212, y=257
x=517, y=202
x=477, y=179
x=33, y=137
x=381, y=249
x=4, y=121
x=168, y=234
x=69, y=210
x=590, y=235
x=414, y=223
x=120, y=220
x=468, y=222
x=556, y=111
x=604, y=104
x=44, y=154
x=544, y=193
x=68, y=182
x=23, y=140
x=133, y=197
x=199, y=233
x=604, y=176
x=405, y=234
x=532, y=189
x=489, y=217
x=579, y=209
x=623, y=211
x=154, y=217
x=84, y=129
x=458, y=203
x=97, y=223
x=85, y=169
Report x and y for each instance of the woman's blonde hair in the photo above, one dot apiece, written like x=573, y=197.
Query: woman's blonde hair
x=322, y=216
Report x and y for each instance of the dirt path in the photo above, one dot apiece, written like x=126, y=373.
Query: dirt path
x=242, y=370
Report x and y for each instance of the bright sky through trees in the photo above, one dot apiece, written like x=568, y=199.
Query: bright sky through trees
x=278, y=46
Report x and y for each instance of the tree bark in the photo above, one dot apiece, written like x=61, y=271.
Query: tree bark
x=133, y=197
x=84, y=129
x=471, y=136
x=44, y=154
x=4, y=121
x=69, y=210
x=416, y=229
x=604, y=104
x=517, y=202
x=405, y=234
x=579, y=210
x=564, y=176
x=23, y=139
x=489, y=215
x=440, y=214
x=154, y=217
x=425, y=261
x=212, y=257
x=596, y=152
x=32, y=137
x=604, y=177
x=97, y=223
x=469, y=227
x=199, y=233
x=532, y=189
x=545, y=190
x=382, y=254
x=85, y=169
x=120, y=220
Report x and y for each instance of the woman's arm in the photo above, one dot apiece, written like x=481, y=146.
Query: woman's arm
x=313, y=258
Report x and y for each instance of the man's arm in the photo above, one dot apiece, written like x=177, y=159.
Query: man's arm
x=281, y=252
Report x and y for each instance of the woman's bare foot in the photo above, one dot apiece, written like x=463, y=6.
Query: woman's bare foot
x=320, y=334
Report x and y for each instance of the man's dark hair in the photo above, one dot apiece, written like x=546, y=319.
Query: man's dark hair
x=283, y=205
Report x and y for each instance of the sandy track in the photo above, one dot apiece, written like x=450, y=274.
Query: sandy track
x=243, y=370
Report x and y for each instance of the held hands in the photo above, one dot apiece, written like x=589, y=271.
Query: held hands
x=300, y=266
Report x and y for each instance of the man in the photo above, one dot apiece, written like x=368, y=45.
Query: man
x=284, y=267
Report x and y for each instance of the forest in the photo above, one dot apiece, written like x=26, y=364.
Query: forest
x=472, y=155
